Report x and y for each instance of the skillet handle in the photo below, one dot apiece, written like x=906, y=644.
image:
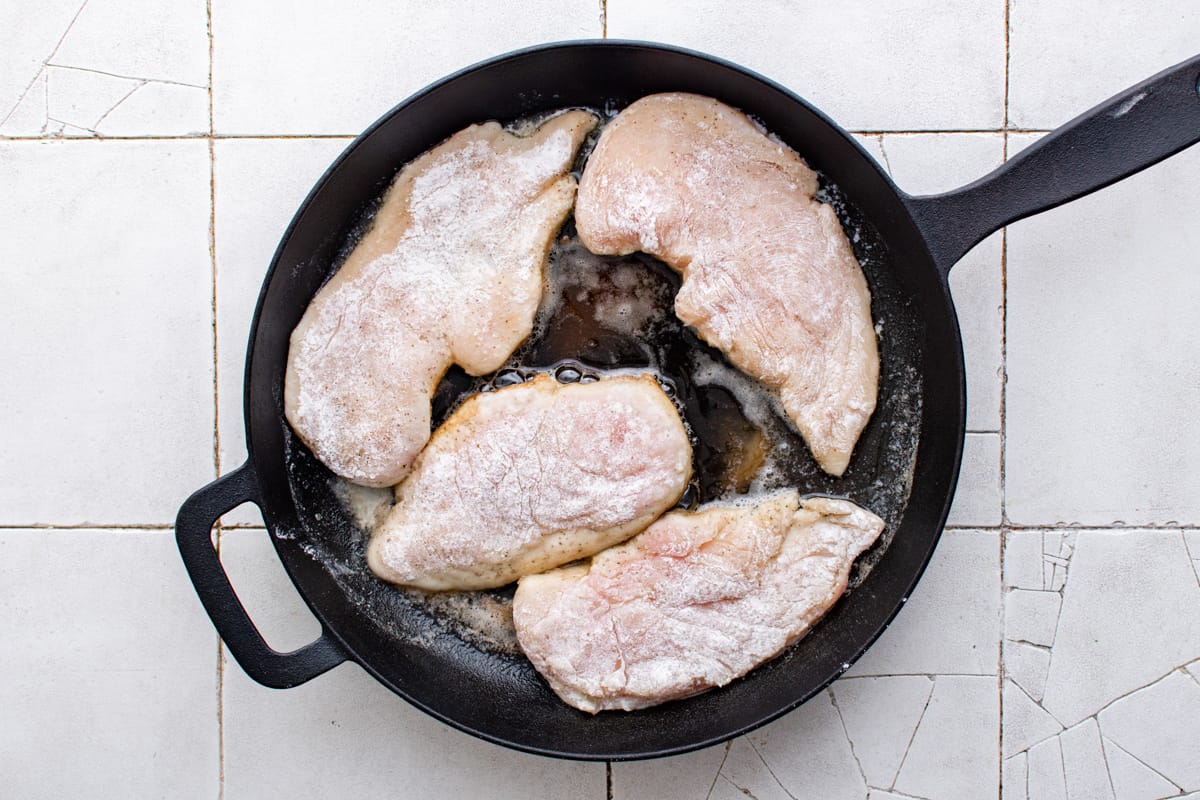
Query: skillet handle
x=1123, y=135
x=193, y=534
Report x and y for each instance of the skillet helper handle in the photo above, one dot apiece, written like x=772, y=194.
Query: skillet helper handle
x=1123, y=135
x=193, y=534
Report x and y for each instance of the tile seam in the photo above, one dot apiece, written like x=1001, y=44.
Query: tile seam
x=1004, y=521
x=212, y=239
x=351, y=136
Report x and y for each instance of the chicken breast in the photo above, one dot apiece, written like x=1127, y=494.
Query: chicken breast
x=769, y=277
x=696, y=600
x=532, y=476
x=450, y=272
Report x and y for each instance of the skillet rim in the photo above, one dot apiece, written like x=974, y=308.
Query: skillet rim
x=300, y=573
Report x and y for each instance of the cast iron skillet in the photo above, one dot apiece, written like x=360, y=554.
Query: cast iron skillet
x=908, y=245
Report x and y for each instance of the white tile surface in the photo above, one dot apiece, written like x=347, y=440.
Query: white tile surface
x=334, y=67
x=954, y=752
x=881, y=741
x=106, y=341
x=129, y=68
x=1160, y=726
x=1015, y=778
x=259, y=185
x=1031, y=616
x=1083, y=762
x=977, y=499
x=109, y=666
x=372, y=742
x=1101, y=423
x=870, y=66
x=1107, y=646
x=1080, y=644
x=1133, y=780
x=950, y=624
x=686, y=776
x=1111, y=659
x=1069, y=55
x=1046, y=779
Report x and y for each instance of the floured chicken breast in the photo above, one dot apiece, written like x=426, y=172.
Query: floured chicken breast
x=450, y=272
x=696, y=600
x=532, y=476
x=769, y=277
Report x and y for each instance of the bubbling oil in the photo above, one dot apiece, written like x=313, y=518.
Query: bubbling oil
x=605, y=315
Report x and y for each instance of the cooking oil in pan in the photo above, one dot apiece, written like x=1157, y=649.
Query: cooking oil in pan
x=604, y=314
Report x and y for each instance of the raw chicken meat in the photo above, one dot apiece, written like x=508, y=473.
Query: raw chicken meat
x=769, y=277
x=532, y=476
x=450, y=272
x=696, y=600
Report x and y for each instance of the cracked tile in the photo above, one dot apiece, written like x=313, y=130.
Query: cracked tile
x=31, y=114
x=140, y=39
x=107, y=334
x=1083, y=762
x=1194, y=669
x=751, y=776
x=1025, y=722
x=1160, y=726
x=1031, y=616
x=1015, y=777
x=955, y=752
x=951, y=624
x=1128, y=617
x=109, y=684
x=1046, y=779
x=277, y=79
x=1023, y=560
x=1133, y=780
x=879, y=741
x=97, y=65
x=1028, y=667
x=32, y=34
x=685, y=777
x=167, y=109
x=1191, y=540
x=880, y=794
x=807, y=753
x=81, y=97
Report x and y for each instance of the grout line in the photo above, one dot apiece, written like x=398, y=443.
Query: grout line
x=712, y=787
x=183, y=137
x=912, y=737
x=88, y=526
x=928, y=131
x=1005, y=525
x=212, y=252
x=603, y=19
x=608, y=781
x=42, y=69
x=351, y=136
x=770, y=771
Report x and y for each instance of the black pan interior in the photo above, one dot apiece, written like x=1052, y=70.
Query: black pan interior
x=914, y=439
